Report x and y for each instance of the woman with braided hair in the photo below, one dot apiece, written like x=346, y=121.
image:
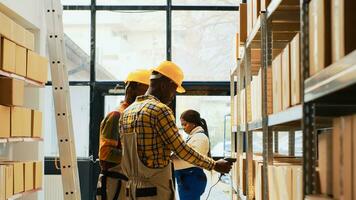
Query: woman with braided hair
x=191, y=180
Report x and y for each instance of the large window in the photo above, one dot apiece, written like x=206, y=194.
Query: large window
x=79, y=96
x=203, y=44
x=129, y=40
x=77, y=44
x=215, y=110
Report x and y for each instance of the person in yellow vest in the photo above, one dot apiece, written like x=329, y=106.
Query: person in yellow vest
x=149, y=134
x=111, y=179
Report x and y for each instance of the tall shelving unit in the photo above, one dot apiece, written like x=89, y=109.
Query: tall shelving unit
x=329, y=93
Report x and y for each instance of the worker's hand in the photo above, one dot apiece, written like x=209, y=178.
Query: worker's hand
x=223, y=166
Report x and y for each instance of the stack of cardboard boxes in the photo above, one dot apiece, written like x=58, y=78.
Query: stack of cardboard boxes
x=286, y=77
x=332, y=32
x=19, y=62
x=18, y=177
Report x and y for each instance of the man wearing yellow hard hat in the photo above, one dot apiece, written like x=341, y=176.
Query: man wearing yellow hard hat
x=111, y=179
x=149, y=135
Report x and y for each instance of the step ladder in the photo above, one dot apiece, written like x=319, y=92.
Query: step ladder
x=60, y=88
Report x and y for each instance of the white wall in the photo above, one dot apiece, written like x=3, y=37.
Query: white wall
x=30, y=14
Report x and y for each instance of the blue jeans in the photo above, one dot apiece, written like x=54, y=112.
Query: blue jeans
x=191, y=183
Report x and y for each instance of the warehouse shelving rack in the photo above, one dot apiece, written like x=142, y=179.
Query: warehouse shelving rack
x=329, y=93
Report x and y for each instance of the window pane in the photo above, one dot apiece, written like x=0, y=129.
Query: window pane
x=204, y=44
x=204, y=2
x=75, y=2
x=131, y=2
x=215, y=110
x=128, y=41
x=112, y=103
x=77, y=44
x=79, y=96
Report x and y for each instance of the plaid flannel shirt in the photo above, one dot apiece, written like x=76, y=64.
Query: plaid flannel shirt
x=157, y=134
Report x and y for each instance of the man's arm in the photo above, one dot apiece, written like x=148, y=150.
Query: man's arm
x=109, y=149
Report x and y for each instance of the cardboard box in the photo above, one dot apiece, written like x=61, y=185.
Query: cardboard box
x=297, y=183
x=336, y=157
x=36, y=124
x=9, y=179
x=18, y=177
x=2, y=182
x=12, y=91
x=325, y=151
x=5, y=121
x=29, y=176
x=29, y=40
x=319, y=35
x=38, y=172
x=32, y=65
x=237, y=46
x=242, y=20
x=18, y=33
x=20, y=61
x=277, y=84
x=343, y=28
x=43, y=69
x=20, y=122
x=249, y=112
x=295, y=70
x=346, y=156
x=259, y=181
x=249, y=17
x=8, y=53
x=5, y=24
x=243, y=177
x=286, y=96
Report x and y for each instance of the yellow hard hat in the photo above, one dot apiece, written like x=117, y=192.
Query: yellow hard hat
x=139, y=76
x=173, y=72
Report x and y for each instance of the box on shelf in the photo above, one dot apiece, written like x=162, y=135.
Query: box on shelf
x=343, y=28
x=295, y=70
x=248, y=109
x=5, y=121
x=18, y=175
x=29, y=175
x=277, y=84
x=242, y=168
x=20, y=122
x=336, y=157
x=286, y=78
x=18, y=33
x=242, y=107
x=242, y=20
x=325, y=162
x=6, y=181
x=36, y=124
x=20, y=61
x=8, y=53
x=37, y=67
x=237, y=46
x=5, y=24
x=38, y=174
x=12, y=92
x=259, y=180
x=29, y=40
x=285, y=181
x=249, y=17
x=354, y=153
x=319, y=35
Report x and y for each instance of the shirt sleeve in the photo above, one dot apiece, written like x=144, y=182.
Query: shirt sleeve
x=170, y=136
x=110, y=146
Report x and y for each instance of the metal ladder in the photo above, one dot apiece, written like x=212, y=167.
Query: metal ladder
x=60, y=88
